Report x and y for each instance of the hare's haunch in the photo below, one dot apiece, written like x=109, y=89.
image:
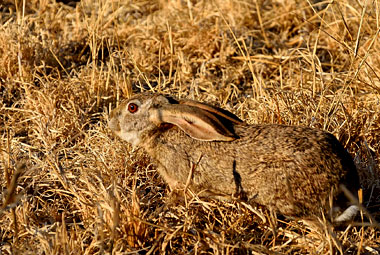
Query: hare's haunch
x=290, y=169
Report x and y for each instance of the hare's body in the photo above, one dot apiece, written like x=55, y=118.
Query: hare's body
x=289, y=169
x=286, y=172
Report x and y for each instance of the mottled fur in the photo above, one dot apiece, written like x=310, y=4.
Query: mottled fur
x=289, y=169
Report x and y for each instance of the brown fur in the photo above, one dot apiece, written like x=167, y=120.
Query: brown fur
x=289, y=169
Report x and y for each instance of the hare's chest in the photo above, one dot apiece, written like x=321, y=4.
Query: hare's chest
x=198, y=168
x=173, y=161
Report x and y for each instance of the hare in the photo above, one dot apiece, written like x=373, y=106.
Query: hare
x=292, y=170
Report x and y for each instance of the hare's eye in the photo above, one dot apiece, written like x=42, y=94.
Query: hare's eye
x=132, y=108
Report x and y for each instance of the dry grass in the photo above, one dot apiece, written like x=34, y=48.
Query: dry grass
x=68, y=186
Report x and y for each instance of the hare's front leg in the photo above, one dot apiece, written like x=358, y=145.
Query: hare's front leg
x=177, y=188
x=173, y=183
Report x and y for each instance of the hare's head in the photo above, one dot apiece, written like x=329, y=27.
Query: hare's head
x=131, y=119
x=142, y=116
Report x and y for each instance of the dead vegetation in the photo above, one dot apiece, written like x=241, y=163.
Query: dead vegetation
x=68, y=186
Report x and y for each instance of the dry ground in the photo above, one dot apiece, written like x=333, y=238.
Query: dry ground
x=68, y=186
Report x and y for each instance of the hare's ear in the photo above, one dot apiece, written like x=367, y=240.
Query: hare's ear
x=214, y=110
x=196, y=122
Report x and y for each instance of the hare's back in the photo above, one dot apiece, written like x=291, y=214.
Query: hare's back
x=293, y=147
x=289, y=141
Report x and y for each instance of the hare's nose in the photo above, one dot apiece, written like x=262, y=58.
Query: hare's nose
x=114, y=124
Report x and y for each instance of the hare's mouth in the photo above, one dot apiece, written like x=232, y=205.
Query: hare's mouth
x=132, y=137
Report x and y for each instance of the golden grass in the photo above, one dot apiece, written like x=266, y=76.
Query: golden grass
x=68, y=186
